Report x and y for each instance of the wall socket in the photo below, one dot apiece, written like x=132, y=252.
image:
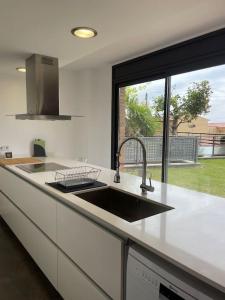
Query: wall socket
x=3, y=149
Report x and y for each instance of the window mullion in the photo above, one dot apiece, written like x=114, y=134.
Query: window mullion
x=166, y=120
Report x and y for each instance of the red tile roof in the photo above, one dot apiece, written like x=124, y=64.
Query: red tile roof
x=219, y=125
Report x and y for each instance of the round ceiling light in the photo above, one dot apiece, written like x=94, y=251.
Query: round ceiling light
x=84, y=32
x=21, y=69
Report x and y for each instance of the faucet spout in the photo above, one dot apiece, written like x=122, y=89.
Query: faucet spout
x=143, y=185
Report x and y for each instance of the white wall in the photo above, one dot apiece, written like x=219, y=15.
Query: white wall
x=92, y=88
x=63, y=138
x=99, y=117
x=86, y=92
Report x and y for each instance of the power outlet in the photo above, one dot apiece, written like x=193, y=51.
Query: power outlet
x=3, y=149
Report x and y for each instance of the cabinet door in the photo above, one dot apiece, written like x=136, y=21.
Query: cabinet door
x=42, y=250
x=92, y=248
x=74, y=284
x=38, y=206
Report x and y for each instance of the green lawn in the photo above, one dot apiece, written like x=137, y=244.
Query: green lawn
x=207, y=177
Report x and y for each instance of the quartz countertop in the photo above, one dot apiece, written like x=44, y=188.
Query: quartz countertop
x=191, y=235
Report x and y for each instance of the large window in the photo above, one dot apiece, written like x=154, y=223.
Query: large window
x=174, y=100
x=197, y=129
x=137, y=118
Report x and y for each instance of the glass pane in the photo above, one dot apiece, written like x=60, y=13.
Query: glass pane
x=197, y=131
x=138, y=118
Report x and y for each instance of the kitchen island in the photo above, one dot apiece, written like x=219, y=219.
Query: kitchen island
x=80, y=240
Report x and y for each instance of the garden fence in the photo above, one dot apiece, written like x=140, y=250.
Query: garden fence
x=181, y=148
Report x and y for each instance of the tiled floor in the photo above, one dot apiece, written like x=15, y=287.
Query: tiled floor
x=20, y=278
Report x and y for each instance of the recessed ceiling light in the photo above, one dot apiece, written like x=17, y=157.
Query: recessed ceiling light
x=84, y=32
x=21, y=69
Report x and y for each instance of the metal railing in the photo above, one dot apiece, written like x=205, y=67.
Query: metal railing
x=181, y=148
x=213, y=142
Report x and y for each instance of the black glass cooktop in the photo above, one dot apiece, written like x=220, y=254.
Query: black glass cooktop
x=41, y=167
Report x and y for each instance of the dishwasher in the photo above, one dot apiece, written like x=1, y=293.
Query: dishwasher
x=150, y=278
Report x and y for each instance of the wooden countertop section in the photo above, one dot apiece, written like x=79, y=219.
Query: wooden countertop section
x=16, y=161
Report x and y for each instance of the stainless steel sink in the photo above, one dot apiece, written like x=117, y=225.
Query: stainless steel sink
x=126, y=206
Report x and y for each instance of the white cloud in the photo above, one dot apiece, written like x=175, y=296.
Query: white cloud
x=180, y=83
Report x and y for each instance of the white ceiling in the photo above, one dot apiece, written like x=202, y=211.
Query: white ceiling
x=126, y=28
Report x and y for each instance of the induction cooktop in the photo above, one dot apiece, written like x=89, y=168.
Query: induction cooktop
x=41, y=167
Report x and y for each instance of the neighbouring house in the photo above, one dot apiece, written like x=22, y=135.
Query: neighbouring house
x=217, y=128
x=199, y=125
x=202, y=125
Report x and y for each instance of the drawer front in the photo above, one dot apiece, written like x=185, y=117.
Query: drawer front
x=74, y=284
x=42, y=250
x=37, y=205
x=92, y=248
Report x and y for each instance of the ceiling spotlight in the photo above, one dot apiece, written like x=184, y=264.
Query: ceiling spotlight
x=84, y=32
x=21, y=69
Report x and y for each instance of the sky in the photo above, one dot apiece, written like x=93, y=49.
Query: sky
x=180, y=83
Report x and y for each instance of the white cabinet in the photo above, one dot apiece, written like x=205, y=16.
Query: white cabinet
x=38, y=206
x=93, y=249
x=74, y=284
x=49, y=229
x=43, y=251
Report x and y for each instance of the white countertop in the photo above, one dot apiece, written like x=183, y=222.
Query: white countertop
x=192, y=236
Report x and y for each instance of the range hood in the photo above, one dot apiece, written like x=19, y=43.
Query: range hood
x=42, y=85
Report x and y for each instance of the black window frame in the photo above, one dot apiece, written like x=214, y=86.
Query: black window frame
x=201, y=52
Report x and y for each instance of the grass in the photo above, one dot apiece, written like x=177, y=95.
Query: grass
x=207, y=177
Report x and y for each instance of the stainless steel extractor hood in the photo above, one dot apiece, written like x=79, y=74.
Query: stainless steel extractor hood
x=42, y=85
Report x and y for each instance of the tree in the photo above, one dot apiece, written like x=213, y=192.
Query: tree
x=186, y=108
x=139, y=118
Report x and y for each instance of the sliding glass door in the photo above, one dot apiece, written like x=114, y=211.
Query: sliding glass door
x=186, y=143
x=178, y=110
x=138, y=118
x=197, y=130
